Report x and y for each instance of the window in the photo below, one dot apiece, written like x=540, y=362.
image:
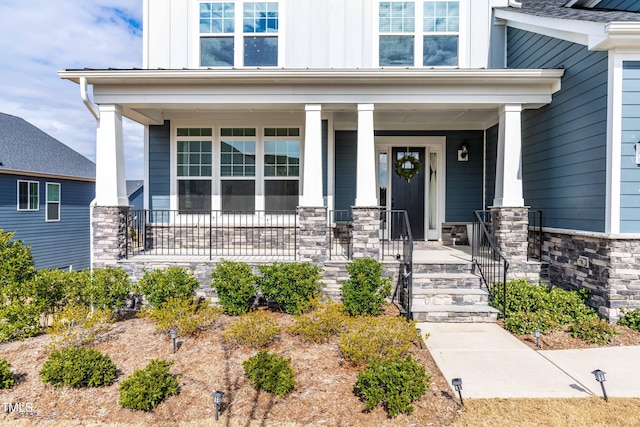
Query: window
x=238, y=169
x=194, y=169
x=281, y=169
x=441, y=26
x=53, y=202
x=28, y=196
x=251, y=26
x=422, y=33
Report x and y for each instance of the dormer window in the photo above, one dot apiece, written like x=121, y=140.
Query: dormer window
x=234, y=34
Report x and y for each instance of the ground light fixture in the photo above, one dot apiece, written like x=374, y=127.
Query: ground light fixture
x=419, y=334
x=536, y=333
x=457, y=384
x=174, y=335
x=217, y=400
x=600, y=378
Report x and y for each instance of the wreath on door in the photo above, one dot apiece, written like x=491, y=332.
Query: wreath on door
x=407, y=167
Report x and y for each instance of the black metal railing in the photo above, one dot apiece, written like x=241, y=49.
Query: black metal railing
x=340, y=234
x=212, y=233
x=534, y=247
x=489, y=261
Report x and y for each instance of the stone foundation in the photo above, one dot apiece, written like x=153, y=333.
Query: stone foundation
x=608, y=266
x=108, y=235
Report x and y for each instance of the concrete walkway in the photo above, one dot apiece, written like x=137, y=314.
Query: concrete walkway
x=493, y=363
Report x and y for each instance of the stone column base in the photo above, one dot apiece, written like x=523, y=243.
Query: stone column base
x=313, y=234
x=108, y=235
x=366, y=232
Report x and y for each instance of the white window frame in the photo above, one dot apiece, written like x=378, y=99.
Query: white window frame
x=282, y=178
x=174, y=164
x=28, y=209
x=238, y=34
x=47, y=202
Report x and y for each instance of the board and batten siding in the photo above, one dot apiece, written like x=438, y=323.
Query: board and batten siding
x=564, y=143
x=628, y=5
x=54, y=244
x=630, y=171
x=159, y=187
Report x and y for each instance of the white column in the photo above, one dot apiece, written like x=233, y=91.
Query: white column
x=366, y=165
x=312, y=179
x=110, y=174
x=509, y=162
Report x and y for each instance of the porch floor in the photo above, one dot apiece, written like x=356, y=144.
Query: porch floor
x=436, y=253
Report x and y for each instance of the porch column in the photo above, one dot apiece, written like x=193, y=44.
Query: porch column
x=110, y=208
x=366, y=162
x=312, y=179
x=508, y=191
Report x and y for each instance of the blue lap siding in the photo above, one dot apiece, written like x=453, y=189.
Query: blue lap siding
x=630, y=171
x=628, y=5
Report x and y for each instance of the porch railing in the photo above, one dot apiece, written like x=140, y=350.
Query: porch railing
x=487, y=259
x=212, y=233
x=340, y=234
x=534, y=250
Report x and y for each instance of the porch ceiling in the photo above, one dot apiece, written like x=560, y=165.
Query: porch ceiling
x=408, y=96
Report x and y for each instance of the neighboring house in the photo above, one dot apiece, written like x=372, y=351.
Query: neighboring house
x=45, y=192
x=332, y=106
x=135, y=194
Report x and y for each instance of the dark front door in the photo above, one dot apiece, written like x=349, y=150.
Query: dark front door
x=409, y=196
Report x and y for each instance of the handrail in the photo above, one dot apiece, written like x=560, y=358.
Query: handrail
x=407, y=254
x=486, y=256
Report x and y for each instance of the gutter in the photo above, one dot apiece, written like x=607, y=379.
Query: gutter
x=85, y=98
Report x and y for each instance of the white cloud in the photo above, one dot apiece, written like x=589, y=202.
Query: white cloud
x=38, y=38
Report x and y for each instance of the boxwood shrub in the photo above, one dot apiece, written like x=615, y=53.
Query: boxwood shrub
x=78, y=367
x=270, y=372
x=148, y=387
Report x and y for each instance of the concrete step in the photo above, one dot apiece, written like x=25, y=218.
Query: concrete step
x=442, y=267
x=454, y=314
x=450, y=297
x=455, y=280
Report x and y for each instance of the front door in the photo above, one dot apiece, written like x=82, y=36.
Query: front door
x=409, y=195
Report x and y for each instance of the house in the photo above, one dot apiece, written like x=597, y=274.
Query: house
x=45, y=192
x=277, y=118
x=135, y=194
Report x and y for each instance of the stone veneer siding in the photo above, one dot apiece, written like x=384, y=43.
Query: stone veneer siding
x=612, y=276
x=108, y=235
x=313, y=234
x=366, y=232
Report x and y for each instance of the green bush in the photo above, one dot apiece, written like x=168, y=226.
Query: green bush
x=393, y=383
x=147, y=388
x=523, y=322
x=235, y=286
x=48, y=290
x=76, y=325
x=78, y=367
x=365, y=291
x=328, y=320
x=295, y=287
x=186, y=316
x=158, y=285
x=256, y=329
x=16, y=267
x=6, y=376
x=270, y=372
x=593, y=330
x=522, y=295
x=376, y=338
x=631, y=319
x=19, y=320
x=107, y=288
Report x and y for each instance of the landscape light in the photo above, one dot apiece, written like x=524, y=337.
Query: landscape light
x=419, y=333
x=600, y=378
x=457, y=384
x=536, y=333
x=174, y=335
x=217, y=399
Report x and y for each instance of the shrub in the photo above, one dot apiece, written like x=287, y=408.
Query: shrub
x=376, y=338
x=107, y=288
x=328, y=320
x=522, y=295
x=6, y=376
x=159, y=285
x=295, y=287
x=522, y=322
x=186, y=316
x=593, y=330
x=19, y=320
x=235, y=286
x=16, y=267
x=78, y=367
x=77, y=324
x=256, y=330
x=631, y=319
x=147, y=388
x=392, y=383
x=270, y=372
x=48, y=290
x=365, y=291
x=568, y=306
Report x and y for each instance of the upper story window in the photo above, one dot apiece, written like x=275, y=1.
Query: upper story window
x=53, y=201
x=28, y=196
x=423, y=33
x=239, y=34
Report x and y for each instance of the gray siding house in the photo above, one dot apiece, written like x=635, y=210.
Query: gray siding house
x=296, y=124
x=45, y=192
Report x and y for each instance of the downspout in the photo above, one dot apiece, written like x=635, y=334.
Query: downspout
x=514, y=3
x=85, y=98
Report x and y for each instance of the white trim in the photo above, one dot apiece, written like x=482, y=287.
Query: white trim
x=145, y=169
x=59, y=202
x=28, y=195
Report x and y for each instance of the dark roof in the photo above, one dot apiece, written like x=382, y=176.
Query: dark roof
x=133, y=186
x=555, y=9
x=25, y=148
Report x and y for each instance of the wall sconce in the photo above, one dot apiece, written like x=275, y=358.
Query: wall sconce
x=463, y=152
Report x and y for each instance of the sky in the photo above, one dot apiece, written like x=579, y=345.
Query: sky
x=38, y=38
